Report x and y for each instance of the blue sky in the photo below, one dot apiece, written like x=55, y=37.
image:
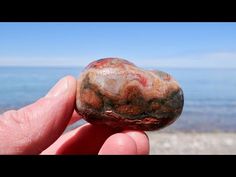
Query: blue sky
x=145, y=44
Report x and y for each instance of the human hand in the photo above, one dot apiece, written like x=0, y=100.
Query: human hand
x=38, y=129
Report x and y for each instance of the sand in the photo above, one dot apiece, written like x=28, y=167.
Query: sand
x=192, y=143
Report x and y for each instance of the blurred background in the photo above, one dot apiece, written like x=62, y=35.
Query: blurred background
x=200, y=56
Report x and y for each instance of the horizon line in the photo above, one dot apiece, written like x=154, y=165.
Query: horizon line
x=70, y=66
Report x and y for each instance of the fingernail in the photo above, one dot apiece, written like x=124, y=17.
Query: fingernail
x=59, y=89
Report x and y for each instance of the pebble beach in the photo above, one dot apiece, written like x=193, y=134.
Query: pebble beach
x=191, y=143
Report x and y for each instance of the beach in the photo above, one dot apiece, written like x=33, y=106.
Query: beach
x=187, y=143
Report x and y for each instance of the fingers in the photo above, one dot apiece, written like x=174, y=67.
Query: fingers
x=86, y=139
x=91, y=139
x=128, y=142
x=141, y=140
x=33, y=128
x=119, y=144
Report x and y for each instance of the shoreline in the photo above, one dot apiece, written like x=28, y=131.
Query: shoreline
x=192, y=143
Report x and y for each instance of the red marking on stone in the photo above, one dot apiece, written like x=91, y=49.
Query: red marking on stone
x=99, y=63
x=142, y=80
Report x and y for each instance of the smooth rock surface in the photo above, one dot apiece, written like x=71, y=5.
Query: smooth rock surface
x=117, y=93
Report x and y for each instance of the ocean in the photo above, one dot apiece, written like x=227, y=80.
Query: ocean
x=210, y=94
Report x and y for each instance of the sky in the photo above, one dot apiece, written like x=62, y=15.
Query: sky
x=178, y=45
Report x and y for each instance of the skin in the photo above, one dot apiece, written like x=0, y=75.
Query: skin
x=38, y=129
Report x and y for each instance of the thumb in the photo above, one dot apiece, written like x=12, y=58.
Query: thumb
x=33, y=128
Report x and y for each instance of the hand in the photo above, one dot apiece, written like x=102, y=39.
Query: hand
x=38, y=129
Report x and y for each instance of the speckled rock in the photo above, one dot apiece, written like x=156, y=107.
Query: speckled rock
x=117, y=93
